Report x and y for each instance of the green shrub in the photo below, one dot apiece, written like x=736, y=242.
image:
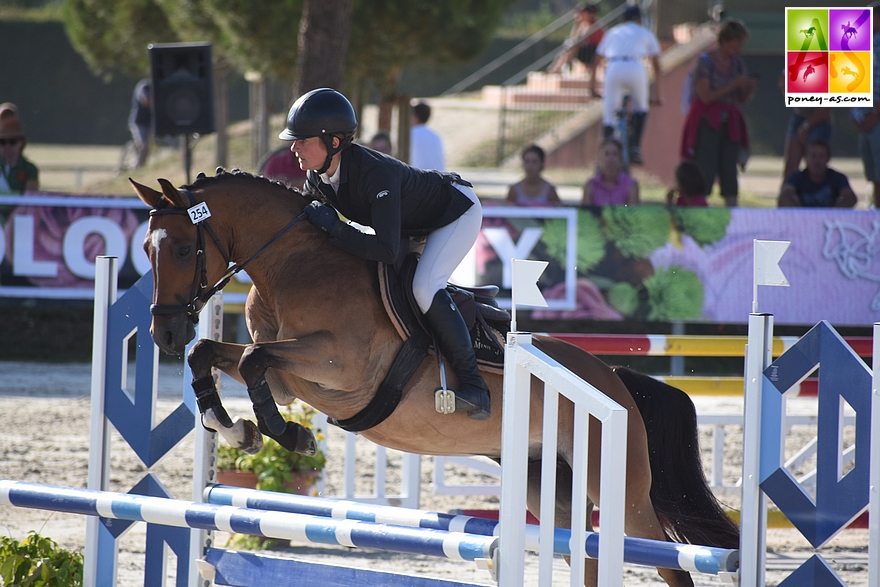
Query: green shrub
x=37, y=561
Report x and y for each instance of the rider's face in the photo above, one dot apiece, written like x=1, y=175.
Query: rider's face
x=311, y=153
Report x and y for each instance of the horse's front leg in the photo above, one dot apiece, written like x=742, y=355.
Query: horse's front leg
x=311, y=358
x=204, y=355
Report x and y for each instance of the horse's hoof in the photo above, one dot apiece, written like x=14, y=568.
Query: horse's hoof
x=252, y=441
x=299, y=439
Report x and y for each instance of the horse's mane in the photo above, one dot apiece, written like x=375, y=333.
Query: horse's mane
x=221, y=175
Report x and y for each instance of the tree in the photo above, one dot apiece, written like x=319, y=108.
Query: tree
x=324, y=34
x=113, y=35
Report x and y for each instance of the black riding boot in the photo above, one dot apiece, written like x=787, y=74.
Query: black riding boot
x=637, y=120
x=454, y=341
x=607, y=131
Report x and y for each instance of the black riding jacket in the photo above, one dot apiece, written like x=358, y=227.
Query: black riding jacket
x=389, y=196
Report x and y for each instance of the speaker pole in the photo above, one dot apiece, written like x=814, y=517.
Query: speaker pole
x=186, y=153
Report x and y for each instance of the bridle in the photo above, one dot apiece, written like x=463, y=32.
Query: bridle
x=200, y=293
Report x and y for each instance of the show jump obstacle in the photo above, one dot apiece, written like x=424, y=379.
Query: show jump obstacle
x=185, y=527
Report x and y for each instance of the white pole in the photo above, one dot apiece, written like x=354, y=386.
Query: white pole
x=753, y=511
x=205, y=457
x=874, y=484
x=99, y=438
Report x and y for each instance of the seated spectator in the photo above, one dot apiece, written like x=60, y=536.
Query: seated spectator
x=533, y=190
x=611, y=186
x=280, y=164
x=817, y=186
x=585, y=16
x=381, y=142
x=18, y=174
x=689, y=185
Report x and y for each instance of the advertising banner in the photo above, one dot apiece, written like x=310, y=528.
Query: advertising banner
x=611, y=263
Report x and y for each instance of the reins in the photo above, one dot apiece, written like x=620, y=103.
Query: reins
x=200, y=292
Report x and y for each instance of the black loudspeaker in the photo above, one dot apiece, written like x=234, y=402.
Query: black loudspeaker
x=182, y=88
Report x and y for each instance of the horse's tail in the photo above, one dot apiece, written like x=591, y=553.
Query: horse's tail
x=683, y=501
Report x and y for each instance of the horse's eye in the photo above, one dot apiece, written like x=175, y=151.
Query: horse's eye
x=184, y=251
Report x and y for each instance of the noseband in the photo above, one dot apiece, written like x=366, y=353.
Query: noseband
x=200, y=293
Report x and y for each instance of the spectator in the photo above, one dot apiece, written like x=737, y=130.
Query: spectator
x=715, y=135
x=533, y=190
x=140, y=120
x=425, y=146
x=805, y=126
x=865, y=120
x=623, y=47
x=689, y=185
x=611, y=186
x=18, y=175
x=817, y=186
x=281, y=165
x=381, y=142
x=584, y=17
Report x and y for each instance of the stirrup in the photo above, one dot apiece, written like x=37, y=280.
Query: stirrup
x=444, y=400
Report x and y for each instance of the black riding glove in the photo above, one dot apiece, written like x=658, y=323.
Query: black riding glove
x=324, y=217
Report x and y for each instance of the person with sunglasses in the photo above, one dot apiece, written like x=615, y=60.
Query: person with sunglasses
x=17, y=174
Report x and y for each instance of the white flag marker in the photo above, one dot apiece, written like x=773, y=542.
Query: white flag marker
x=524, y=289
x=767, y=255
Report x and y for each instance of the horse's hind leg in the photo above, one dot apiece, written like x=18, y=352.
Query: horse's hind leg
x=563, y=508
x=204, y=355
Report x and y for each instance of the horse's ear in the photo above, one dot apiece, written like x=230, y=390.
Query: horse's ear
x=148, y=195
x=171, y=193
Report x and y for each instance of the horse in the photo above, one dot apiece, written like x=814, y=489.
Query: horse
x=808, y=33
x=322, y=334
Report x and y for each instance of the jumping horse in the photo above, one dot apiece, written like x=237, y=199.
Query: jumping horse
x=322, y=334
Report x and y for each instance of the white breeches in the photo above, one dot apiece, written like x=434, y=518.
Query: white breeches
x=621, y=78
x=444, y=250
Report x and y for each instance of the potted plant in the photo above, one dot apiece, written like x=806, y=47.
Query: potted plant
x=274, y=468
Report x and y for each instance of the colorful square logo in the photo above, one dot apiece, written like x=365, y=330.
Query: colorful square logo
x=829, y=56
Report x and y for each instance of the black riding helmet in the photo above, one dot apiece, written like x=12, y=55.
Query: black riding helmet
x=321, y=113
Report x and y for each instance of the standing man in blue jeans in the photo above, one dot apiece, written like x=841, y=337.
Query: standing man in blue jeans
x=866, y=120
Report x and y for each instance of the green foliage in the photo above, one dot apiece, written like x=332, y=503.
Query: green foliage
x=590, y=240
x=674, y=294
x=636, y=230
x=274, y=464
x=704, y=225
x=624, y=298
x=37, y=561
x=113, y=35
x=388, y=35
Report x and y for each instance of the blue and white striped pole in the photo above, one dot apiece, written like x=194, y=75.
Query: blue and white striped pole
x=283, y=525
x=640, y=551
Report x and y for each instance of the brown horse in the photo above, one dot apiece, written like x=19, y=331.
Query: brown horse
x=321, y=334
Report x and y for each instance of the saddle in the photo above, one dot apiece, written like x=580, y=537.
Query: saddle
x=488, y=325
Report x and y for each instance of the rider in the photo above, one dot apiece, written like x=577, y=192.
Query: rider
x=393, y=199
x=623, y=47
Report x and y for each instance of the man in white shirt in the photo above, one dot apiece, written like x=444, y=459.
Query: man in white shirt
x=425, y=146
x=623, y=47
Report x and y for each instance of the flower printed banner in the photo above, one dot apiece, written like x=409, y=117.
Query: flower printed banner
x=696, y=264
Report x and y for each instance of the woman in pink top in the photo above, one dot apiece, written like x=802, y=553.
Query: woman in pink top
x=533, y=190
x=611, y=186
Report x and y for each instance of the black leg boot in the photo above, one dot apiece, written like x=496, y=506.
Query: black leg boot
x=454, y=340
x=607, y=131
x=637, y=119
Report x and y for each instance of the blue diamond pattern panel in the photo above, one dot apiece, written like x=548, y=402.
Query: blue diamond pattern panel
x=842, y=374
x=133, y=414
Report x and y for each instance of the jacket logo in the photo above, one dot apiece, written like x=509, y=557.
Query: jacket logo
x=381, y=194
